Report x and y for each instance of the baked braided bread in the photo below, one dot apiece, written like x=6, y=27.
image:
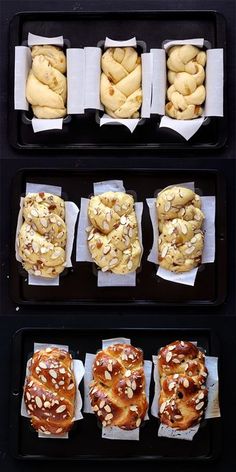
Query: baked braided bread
x=186, y=76
x=43, y=234
x=183, y=396
x=49, y=391
x=121, y=92
x=117, y=392
x=113, y=239
x=181, y=238
x=46, y=88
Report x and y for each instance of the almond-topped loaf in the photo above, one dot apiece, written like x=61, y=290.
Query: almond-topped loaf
x=186, y=75
x=49, y=391
x=117, y=392
x=46, y=88
x=43, y=234
x=183, y=395
x=180, y=220
x=121, y=92
x=113, y=239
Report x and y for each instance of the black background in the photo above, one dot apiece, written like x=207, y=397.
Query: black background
x=221, y=319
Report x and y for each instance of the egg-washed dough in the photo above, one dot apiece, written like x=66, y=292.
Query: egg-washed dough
x=43, y=234
x=121, y=90
x=186, y=75
x=46, y=88
x=113, y=239
x=180, y=220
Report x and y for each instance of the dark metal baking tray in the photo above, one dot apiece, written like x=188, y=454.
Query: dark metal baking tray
x=87, y=29
x=79, y=285
x=85, y=440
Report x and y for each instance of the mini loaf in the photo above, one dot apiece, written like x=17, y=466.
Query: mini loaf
x=117, y=392
x=49, y=391
x=121, y=92
x=183, y=395
x=46, y=88
x=43, y=234
x=186, y=76
x=113, y=239
x=180, y=220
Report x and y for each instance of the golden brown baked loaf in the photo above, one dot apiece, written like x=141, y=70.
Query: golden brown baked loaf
x=117, y=392
x=121, y=92
x=186, y=76
x=180, y=220
x=43, y=234
x=49, y=391
x=183, y=395
x=46, y=88
x=113, y=239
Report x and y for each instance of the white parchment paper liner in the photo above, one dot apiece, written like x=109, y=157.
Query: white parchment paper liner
x=75, y=80
x=113, y=432
x=78, y=370
x=212, y=409
x=105, y=279
x=93, y=74
x=214, y=85
x=208, y=254
x=71, y=214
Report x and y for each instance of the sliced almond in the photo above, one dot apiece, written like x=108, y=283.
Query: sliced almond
x=123, y=220
x=107, y=375
x=164, y=251
x=168, y=356
x=61, y=408
x=102, y=403
x=107, y=408
x=199, y=406
x=105, y=226
x=108, y=417
x=113, y=261
x=127, y=373
x=138, y=422
x=186, y=383
x=171, y=386
x=130, y=265
x=189, y=250
x=53, y=373
x=130, y=392
x=167, y=206
x=38, y=402
x=162, y=407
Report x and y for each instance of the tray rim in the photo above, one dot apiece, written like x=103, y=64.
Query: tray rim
x=72, y=147
x=16, y=344
x=221, y=240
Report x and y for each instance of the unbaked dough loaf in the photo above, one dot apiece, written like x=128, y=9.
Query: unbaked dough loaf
x=43, y=234
x=46, y=88
x=113, y=239
x=186, y=76
x=121, y=91
x=180, y=220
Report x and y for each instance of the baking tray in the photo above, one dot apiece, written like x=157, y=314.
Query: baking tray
x=79, y=286
x=85, y=440
x=87, y=29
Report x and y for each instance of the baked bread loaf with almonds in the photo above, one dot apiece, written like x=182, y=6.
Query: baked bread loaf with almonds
x=121, y=91
x=186, y=75
x=180, y=220
x=113, y=238
x=49, y=391
x=43, y=235
x=46, y=88
x=183, y=395
x=117, y=392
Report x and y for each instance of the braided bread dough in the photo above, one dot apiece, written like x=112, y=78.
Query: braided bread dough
x=180, y=220
x=49, y=391
x=183, y=396
x=117, y=392
x=46, y=87
x=43, y=234
x=186, y=76
x=113, y=239
x=121, y=92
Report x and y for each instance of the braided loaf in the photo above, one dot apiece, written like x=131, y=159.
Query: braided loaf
x=183, y=396
x=121, y=92
x=46, y=87
x=186, y=76
x=180, y=220
x=42, y=236
x=117, y=392
x=49, y=391
x=113, y=239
